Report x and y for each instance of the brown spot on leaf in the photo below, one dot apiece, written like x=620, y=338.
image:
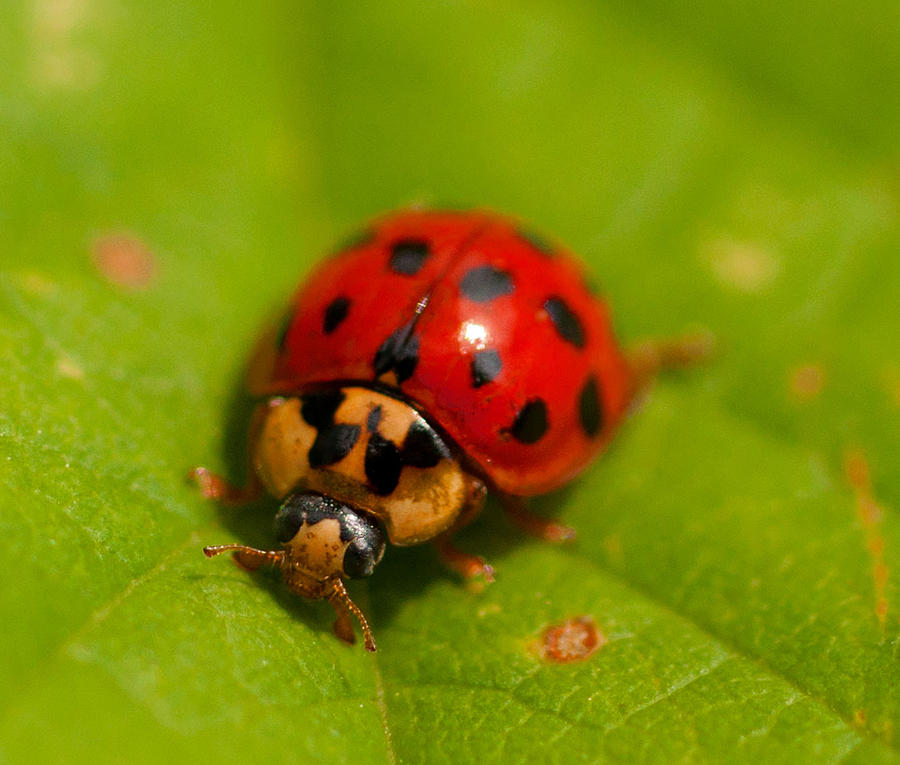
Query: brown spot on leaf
x=806, y=381
x=870, y=514
x=124, y=261
x=575, y=639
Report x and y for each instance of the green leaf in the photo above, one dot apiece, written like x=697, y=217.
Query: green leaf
x=731, y=165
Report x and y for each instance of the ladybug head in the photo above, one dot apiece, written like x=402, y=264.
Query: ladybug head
x=323, y=540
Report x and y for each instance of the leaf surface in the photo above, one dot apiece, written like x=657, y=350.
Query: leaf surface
x=736, y=170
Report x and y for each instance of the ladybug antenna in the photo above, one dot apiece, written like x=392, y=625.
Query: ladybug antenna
x=247, y=557
x=340, y=600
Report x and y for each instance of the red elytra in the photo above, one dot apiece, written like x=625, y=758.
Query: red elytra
x=487, y=330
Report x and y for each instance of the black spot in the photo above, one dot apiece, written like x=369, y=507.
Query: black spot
x=422, y=447
x=383, y=464
x=484, y=283
x=318, y=408
x=531, y=422
x=589, y=411
x=399, y=352
x=335, y=313
x=408, y=256
x=373, y=419
x=486, y=365
x=332, y=444
x=286, y=322
x=538, y=242
x=567, y=323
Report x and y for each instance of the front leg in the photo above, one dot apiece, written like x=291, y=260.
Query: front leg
x=467, y=565
x=217, y=487
x=214, y=486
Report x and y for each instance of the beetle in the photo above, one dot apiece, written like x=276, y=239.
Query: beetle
x=437, y=356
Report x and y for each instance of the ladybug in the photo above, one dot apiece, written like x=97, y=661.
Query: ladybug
x=437, y=356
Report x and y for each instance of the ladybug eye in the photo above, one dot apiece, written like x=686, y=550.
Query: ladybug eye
x=363, y=555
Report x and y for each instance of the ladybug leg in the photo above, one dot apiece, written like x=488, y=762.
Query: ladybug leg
x=650, y=357
x=519, y=515
x=345, y=608
x=214, y=486
x=343, y=624
x=467, y=565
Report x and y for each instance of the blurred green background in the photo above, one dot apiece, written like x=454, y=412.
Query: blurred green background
x=730, y=164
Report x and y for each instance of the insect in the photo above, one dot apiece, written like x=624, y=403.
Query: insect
x=437, y=356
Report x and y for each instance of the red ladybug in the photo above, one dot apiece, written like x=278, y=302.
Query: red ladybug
x=439, y=355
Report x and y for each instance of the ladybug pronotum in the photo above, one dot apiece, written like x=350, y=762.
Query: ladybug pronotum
x=438, y=356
